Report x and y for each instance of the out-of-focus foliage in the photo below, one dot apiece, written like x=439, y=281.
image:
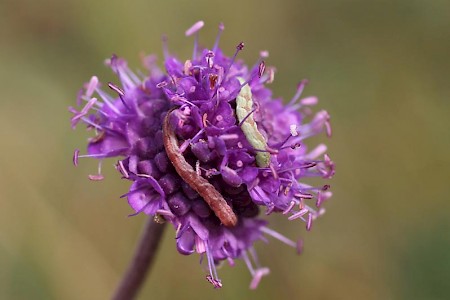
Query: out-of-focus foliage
x=381, y=68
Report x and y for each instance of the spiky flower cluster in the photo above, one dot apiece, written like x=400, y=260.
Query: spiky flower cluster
x=191, y=160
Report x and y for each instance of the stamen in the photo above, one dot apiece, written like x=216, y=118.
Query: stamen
x=309, y=223
x=299, y=246
x=196, y=137
x=270, y=208
x=297, y=215
x=245, y=118
x=127, y=78
x=294, y=146
x=309, y=165
x=322, y=197
x=289, y=208
x=278, y=236
x=212, y=277
x=177, y=97
x=79, y=115
x=264, y=54
x=316, y=152
x=274, y=172
x=72, y=110
x=210, y=59
x=100, y=155
x=328, y=127
x=309, y=101
x=116, y=89
x=120, y=93
x=227, y=137
x=88, y=105
x=248, y=262
x=91, y=86
x=261, y=68
x=213, y=78
x=122, y=169
x=280, y=145
x=254, y=256
x=216, y=283
x=92, y=124
x=288, y=188
x=194, y=30
x=216, y=44
x=293, y=129
x=269, y=76
x=165, y=213
x=108, y=100
x=187, y=67
x=229, y=259
x=161, y=84
x=76, y=154
x=300, y=88
x=257, y=277
x=165, y=47
x=79, y=96
x=97, y=177
x=303, y=195
x=239, y=47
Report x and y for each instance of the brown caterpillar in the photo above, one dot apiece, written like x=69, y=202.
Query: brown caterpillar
x=205, y=189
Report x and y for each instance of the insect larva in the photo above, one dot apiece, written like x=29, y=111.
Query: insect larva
x=244, y=106
x=205, y=189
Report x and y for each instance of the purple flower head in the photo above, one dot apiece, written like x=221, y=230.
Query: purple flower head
x=207, y=147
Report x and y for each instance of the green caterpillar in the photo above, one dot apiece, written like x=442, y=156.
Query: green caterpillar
x=244, y=106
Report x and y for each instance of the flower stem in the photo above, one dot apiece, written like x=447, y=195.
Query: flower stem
x=141, y=262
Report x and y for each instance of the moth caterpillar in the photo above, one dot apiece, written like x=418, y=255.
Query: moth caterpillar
x=244, y=107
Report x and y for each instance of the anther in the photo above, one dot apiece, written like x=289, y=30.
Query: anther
x=261, y=68
x=120, y=92
x=97, y=177
x=91, y=86
x=194, y=28
x=76, y=153
x=309, y=223
x=293, y=129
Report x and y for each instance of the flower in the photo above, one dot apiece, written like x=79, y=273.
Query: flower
x=206, y=146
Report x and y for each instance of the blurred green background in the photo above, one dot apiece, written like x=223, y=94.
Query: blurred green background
x=381, y=68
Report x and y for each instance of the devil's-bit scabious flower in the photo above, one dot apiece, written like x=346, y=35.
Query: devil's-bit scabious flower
x=206, y=147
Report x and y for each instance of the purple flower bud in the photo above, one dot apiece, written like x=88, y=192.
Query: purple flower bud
x=162, y=162
x=188, y=191
x=170, y=183
x=231, y=177
x=148, y=167
x=200, y=208
x=179, y=204
x=201, y=151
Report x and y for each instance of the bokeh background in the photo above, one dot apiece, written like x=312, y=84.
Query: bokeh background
x=381, y=68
